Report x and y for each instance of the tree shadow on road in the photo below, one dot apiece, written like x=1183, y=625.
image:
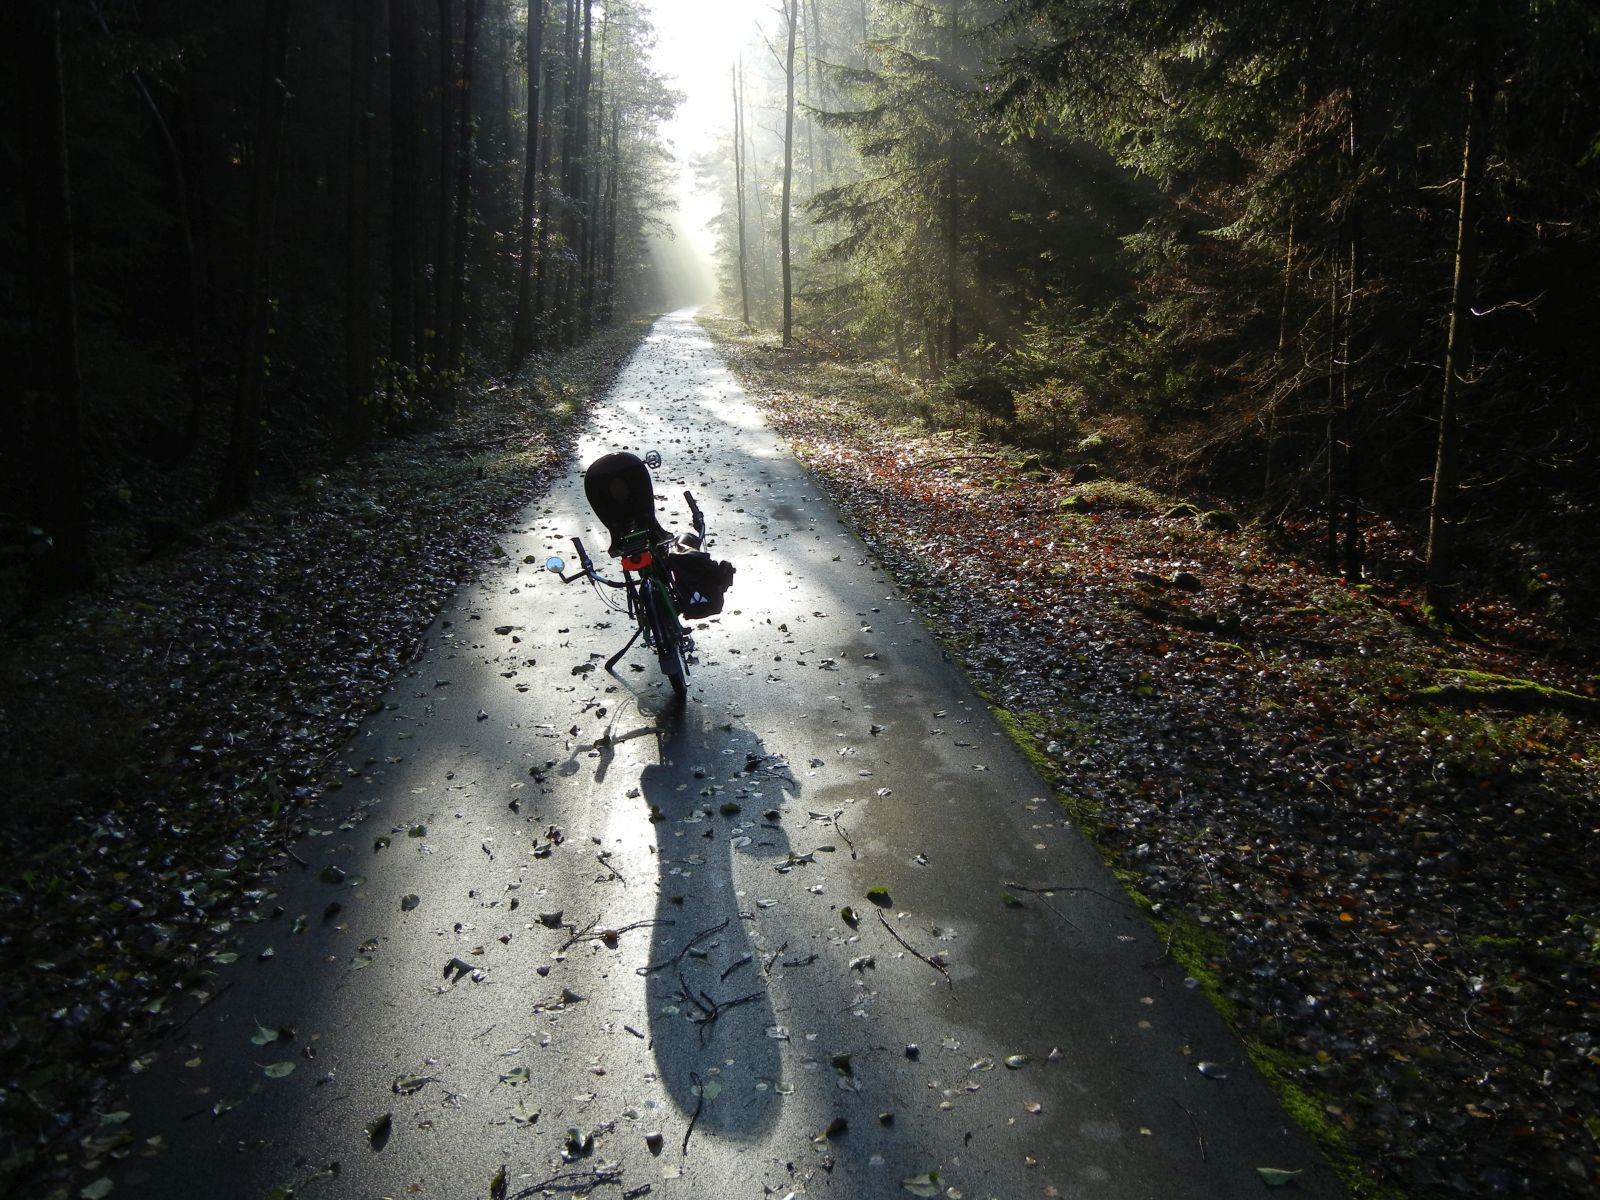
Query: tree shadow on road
x=706, y=982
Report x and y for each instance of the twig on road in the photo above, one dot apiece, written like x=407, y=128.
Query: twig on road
x=699, y=1103
x=766, y=967
x=571, y=1181
x=605, y=934
x=1198, y=1136
x=937, y=966
x=200, y=1008
x=839, y=829
x=1044, y=888
x=687, y=946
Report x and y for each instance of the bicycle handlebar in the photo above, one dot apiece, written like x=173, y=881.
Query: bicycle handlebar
x=699, y=517
x=587, y=569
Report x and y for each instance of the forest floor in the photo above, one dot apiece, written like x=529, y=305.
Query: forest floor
x=164, y=734
x=1370, y=839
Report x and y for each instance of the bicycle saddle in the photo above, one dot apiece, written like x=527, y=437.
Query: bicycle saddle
x=623, y=496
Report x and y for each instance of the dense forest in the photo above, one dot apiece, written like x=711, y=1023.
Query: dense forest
x=1334, y=260
x=242, y=239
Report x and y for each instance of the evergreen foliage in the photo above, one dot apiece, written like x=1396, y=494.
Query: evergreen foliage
x=284, y=244
x=1224, y=233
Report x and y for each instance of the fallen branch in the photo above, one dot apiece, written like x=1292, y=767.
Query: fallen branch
x=606, y=934
x=699, y=1103
x=839, y=829
x=937, y=966
x=687, y=946
x=571, y=1181
x=1045, y=888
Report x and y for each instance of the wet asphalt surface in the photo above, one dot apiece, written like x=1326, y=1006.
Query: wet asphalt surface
x=551, y=913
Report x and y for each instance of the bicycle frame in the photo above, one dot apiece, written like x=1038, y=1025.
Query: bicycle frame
x=649, y=598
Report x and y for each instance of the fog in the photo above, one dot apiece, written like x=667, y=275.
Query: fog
x=697, y=44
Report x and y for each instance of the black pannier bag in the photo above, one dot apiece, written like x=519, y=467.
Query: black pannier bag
x=699, y=583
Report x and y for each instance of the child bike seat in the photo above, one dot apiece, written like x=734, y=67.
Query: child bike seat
x=623, y=496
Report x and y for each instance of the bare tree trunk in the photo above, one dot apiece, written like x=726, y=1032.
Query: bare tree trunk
x=522, y=337
x=406, y=157
x=1442, y=565
x=239, y=469
x=613, y=209
x=443, y=270
x=1347, y=375
x=594, y=167
x=548, y=276
x=738, y=186
x=815, y=30
x=358, y=265
x=578, y=184
x=788, y=178
x=463, y=186
x=952, y=184
x=1269, y=479
x=55, y=418
x=1333, y=431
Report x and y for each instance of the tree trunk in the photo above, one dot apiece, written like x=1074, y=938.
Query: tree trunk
x=522, y=334
x=55, y=416
x=240, y=468
x=1333, y=429
x=1347, y=374
x=405, y=157
x=1441, y=564
x=952, y=184
x=1269, y=476
x=609, y=312
x=463, y=187
x=444, y=253
x=578, y=191
x=738, y=188
x=358, y=264
x=788, y=179
x=548, y=276
x=823, y=93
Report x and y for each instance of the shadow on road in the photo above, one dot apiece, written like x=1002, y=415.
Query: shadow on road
x=706, y=982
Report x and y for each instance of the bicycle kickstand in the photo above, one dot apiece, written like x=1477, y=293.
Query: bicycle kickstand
x=611, y=662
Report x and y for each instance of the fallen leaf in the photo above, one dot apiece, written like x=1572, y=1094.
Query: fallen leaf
x=1276, y=1177
x=926, y=1184
x=278, y=1070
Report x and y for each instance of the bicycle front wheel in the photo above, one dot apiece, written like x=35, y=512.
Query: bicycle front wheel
x=667, y=633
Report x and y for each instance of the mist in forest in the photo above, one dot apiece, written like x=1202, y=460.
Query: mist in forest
x=683, y=266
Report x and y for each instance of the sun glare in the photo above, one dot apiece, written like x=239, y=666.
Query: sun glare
x=697, y=44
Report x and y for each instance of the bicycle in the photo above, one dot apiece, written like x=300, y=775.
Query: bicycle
x=661, y=585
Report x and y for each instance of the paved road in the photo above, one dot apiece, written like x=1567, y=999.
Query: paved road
x=573, y=915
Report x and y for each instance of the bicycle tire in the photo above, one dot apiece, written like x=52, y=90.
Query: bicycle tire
x=668, y=637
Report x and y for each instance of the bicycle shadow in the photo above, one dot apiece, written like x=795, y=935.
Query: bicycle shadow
x=710, y=1006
